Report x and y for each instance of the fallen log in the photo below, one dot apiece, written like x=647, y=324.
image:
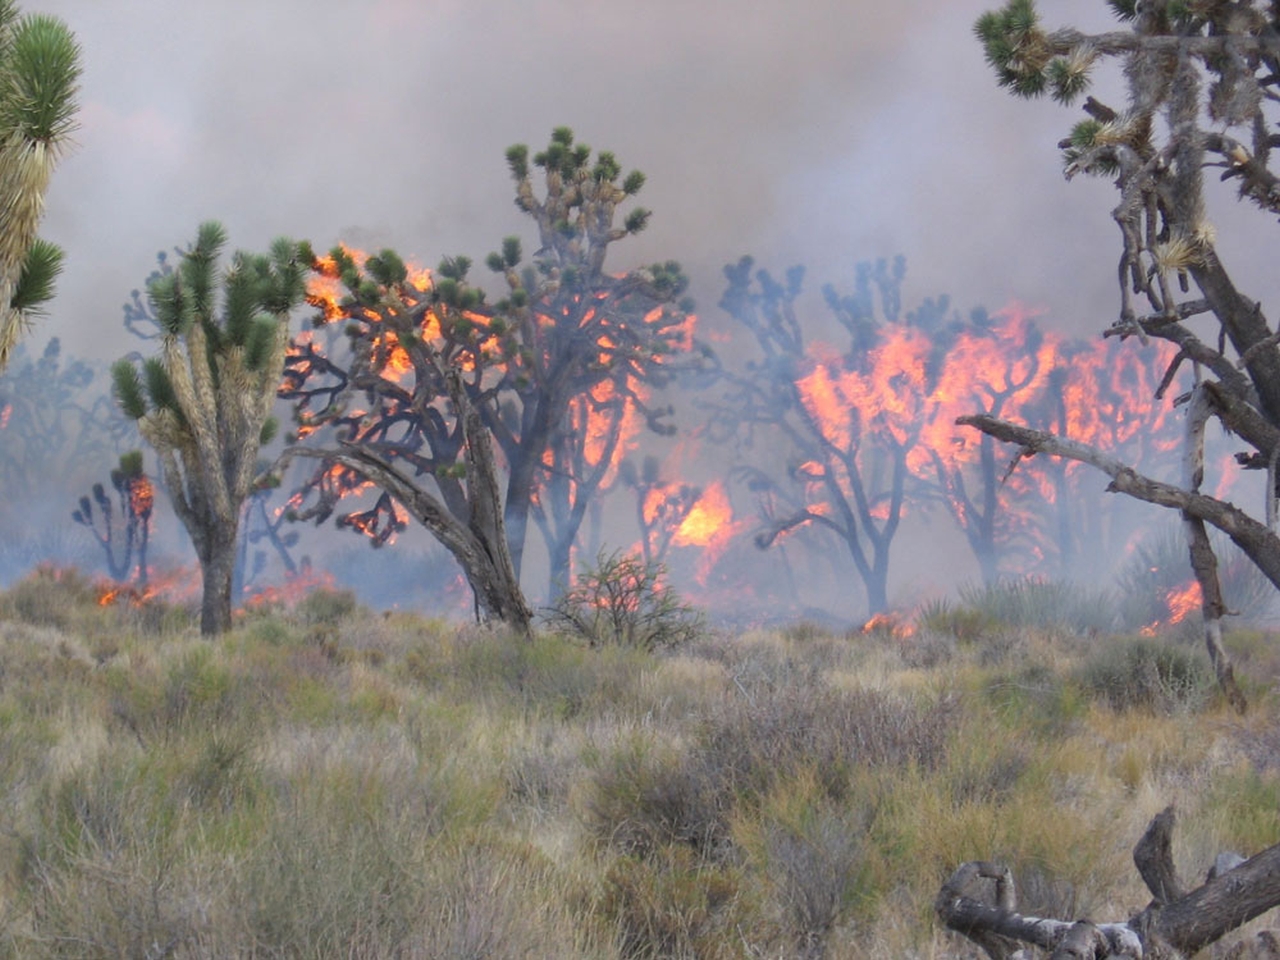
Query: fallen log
x=979, y=901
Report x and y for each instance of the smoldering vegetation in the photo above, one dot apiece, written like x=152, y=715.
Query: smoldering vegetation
x=329, y=780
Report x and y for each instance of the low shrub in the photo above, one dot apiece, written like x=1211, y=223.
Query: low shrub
x=327, y=606
x=50, y=597
x=1046, y=604
x=624, y=600
x=1146, y=673
x=673, y=905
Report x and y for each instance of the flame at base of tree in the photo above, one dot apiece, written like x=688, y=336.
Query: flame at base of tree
x=180, y=586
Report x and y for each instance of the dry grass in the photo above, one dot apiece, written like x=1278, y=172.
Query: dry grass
x=333, y=782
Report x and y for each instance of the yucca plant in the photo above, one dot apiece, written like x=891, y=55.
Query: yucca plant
x=204, y=403
x=39, y=75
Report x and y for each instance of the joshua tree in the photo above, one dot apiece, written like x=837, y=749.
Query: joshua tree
x=396, y=413
x=39, y=71
x=1202, y=79
x=204, y=403
x=555, y=373
x=124, y=538
x=589, y=344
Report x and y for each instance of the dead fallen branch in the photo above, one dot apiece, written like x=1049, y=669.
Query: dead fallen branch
x=979, y=901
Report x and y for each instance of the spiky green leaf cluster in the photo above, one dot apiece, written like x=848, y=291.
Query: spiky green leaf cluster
x=518, y=160
x=387, y=268
x=636, y=220
x=38, y=80
x=1083, y=134
x=1068, y=78
x=1124, y=9
x=1083, y=139
x=128, y=389
x=1015, y=47
x=40, y=269
x=511, y=252
x=159, y=387
x=131, y=464
x=260, y=341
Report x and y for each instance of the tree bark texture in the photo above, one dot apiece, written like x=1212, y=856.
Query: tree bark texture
x=217, y=567
x=979, y=902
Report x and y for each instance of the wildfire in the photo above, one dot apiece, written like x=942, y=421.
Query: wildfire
x=1181, y=602
x=142, y=497
x=709, y=525
x=178, y=585
x=896, y=625
x=293, y=590
x=182, y=585
x=707, y=519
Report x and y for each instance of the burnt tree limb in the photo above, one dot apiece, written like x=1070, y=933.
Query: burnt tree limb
x=1153, y=856
x=1259, y=542
x=978, y=902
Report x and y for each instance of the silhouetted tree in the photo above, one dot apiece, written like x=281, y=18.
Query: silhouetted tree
x=590, y=345
x=841, y=451
x=203, y=404
x=52, y=418
x=123, y=535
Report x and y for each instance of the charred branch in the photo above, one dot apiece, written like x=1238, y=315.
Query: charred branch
x=977, y=902
x=1153, y=856
x=1259, y=542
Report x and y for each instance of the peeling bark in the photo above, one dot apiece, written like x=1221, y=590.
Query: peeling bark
x=978, y=901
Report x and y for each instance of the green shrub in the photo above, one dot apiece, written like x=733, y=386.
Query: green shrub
x=1035, y=696
x=1146, y=673
x=965, y=623
x=623, y=600
x=50, y=597
x=643, y=798
x=809, y=851
x=1046, y=604
x=673, y=905
x=327, y=606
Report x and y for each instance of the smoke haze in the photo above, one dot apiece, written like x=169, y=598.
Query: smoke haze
x=819, y=132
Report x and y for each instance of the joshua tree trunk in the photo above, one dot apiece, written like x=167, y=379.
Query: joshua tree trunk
x=477, y=540
x=217, y=555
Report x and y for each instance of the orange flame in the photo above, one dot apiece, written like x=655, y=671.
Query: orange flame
x=708, y=519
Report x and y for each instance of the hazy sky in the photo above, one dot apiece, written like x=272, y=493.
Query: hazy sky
x=810, y=131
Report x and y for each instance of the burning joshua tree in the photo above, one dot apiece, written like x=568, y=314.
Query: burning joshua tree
x=868, y=434
x=557, y=373
x=123, y=536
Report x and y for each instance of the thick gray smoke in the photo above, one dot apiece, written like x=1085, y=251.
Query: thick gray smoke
x=820, y=132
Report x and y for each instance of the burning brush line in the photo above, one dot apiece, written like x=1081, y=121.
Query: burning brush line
x=869, y=434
